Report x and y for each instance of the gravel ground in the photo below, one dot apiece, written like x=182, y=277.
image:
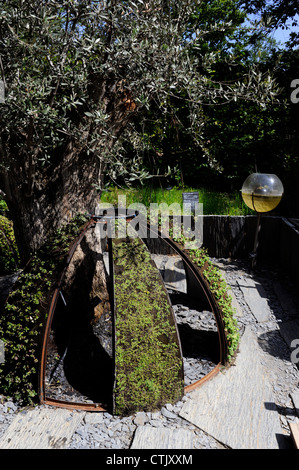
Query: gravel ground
x=104, y=431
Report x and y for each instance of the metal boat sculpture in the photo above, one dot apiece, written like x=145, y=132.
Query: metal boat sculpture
x=77, y=367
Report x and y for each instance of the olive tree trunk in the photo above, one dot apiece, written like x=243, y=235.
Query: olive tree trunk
x=55, y=198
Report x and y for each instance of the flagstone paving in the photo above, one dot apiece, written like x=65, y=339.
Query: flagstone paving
x=41, y=428
x=147, y=437
x=256, y=298
x=236, y=409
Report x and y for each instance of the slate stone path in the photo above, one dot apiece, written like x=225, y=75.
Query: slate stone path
x=41, y=428
x=247, y=406
x=237, y=407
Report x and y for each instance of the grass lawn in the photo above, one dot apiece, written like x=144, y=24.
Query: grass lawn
x=213, y=202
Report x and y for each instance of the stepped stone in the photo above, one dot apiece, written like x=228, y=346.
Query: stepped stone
x=172, y=271
x=175, y=276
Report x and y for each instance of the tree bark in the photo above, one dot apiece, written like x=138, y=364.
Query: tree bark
x=41, y=200
x=56, y=197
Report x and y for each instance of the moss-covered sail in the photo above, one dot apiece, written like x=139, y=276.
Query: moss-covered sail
x=148, y=361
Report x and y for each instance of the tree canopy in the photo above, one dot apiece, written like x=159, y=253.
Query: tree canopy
x=84, y=78
x=276, y=14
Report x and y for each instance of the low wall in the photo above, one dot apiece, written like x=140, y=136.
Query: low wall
x=233, y=237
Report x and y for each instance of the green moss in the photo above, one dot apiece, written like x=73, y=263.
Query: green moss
x=22, y=321
x=148, y=365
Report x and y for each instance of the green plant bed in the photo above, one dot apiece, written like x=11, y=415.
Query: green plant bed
x=220, y=292
x=148, y=362
x=216, y=285
x=24, y=314
x=220, y=289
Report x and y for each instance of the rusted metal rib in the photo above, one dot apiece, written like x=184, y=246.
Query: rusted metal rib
x=191, y=270
x=194, y=271
x=204, y=379
x=42, y=391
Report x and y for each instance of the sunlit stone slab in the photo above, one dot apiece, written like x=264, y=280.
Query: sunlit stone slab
x=237, y=406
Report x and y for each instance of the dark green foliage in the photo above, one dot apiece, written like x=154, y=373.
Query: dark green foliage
x=148, y=364
x=3, y=206
x=9, y=255
x=24, y=314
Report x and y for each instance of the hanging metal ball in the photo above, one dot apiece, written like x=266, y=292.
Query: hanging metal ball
x=262, y=192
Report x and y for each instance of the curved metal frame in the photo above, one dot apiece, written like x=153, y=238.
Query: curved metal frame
x=190, y=268
x=206, y=290
x=42, y=394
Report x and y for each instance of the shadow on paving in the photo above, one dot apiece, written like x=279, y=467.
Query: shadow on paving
x=272, y=343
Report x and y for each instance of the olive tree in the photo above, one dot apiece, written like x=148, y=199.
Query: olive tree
x=76, y=74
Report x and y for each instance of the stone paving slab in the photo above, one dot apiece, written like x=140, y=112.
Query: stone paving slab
x=237, y=406
x=41, y=428
x=172, y=270
x=175, y=276
x=147, y=437
x=236, y=306
x=256, y=298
